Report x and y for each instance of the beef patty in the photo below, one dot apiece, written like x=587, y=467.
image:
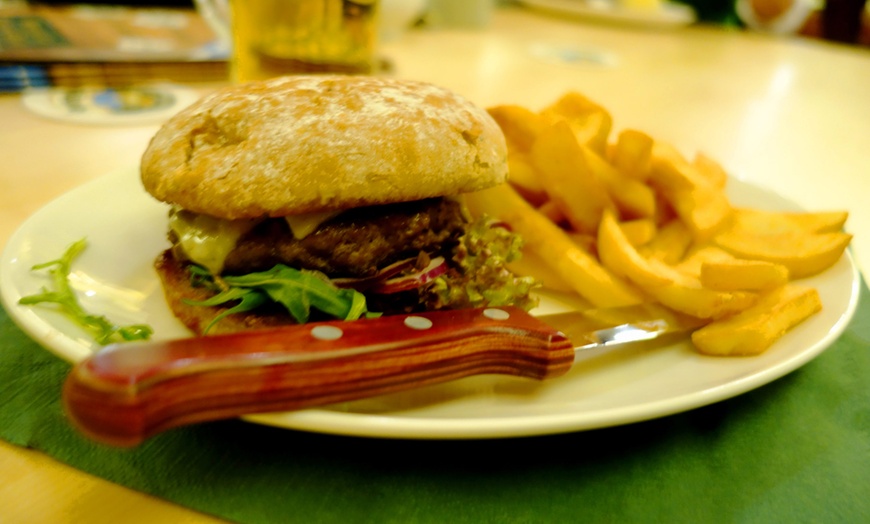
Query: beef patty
x=355, y=243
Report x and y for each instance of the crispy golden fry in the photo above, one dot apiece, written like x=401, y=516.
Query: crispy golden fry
x=711, y=170
x=586, y=242
x=568, y=179
x=774, y=222
x=686, y=295
x=590, y=122
x=524, y=179
x=573, y=265
x=530, y=264
x=676, y=290
x=550, y=210
x=520, y=126
x=639, y=231
x=804, y=254
x=619, y=256
x=700, y=204
x=698, y=255
x=632, y=154
x=755, y=329
x=669, y=244
x=738, y=274
x=632, y=197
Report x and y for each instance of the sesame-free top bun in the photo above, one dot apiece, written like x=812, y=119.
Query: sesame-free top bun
x=302, y=144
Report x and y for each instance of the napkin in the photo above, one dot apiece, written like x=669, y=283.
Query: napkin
x=795, y=450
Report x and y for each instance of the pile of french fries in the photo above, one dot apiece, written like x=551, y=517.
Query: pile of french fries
x=631, y=220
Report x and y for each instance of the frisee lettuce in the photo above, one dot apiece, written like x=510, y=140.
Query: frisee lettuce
x=99, y=327
x=297, y=291
x=483, y=278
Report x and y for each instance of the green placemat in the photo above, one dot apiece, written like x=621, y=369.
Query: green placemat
x=796, y=450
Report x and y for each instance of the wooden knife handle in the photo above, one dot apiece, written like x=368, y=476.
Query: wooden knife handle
x=127, y=393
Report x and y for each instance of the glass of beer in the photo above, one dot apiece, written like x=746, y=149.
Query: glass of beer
x=280, y=37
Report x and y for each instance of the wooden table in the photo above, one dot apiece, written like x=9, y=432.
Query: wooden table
x=791, y=115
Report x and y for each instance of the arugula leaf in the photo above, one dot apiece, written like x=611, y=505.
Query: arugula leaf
x=297, y=291
x=103, y=330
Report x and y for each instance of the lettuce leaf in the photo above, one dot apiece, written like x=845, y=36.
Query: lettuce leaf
x=480, y=276
x=297, y=291
x=99, y=327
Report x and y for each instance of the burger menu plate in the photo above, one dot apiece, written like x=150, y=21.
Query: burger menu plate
x=126, y=229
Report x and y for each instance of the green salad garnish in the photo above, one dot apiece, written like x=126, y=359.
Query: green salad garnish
x=99, y=327
x=297, y=291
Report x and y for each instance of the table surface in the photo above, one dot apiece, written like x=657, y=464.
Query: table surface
x=791, y=115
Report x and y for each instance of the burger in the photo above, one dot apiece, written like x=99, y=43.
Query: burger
x=319, y=197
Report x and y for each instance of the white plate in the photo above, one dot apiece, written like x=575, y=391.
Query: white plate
x=668, y=14
x=125, y=229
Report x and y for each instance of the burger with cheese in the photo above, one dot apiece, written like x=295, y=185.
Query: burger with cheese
x=319, y=197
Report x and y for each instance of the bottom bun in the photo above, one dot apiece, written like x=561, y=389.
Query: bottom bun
x=177, y=287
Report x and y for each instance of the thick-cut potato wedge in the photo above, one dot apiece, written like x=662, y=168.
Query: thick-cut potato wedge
x=550, y=210
x=520, y=126
x=739, y=274
x=638, y=231
x=586, y=242
x=804, y=254
x=669, y=244
x=577, y=268
x=670, y=287
x=775, y=222
x=757, y=328
x=619, y=256
x=711, y=170
x=701, y=205
x=699, y=255
x=590, y=122
x=632, y=153
x=568, y=179
x=632, y=197
x=530, y=264
x=686, y=295
x=524, y=179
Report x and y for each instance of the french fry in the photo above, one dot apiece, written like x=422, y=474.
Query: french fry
x=700, y=204
x=632, y=154
x=755, y=329
x=619, y=256
x=632, y=197
x=639, y=231
x=804, y=254
x=589, y=121
x=668, y=286
x=686, y=295
x=576, y=267
x=550, y=210
x=524, y=179
x=773, y=222
x=669, y=244
x=711, y=170
x=739, y=274
x=530, y=264
x=520, y=126
x=698, y=255
x=569, y=181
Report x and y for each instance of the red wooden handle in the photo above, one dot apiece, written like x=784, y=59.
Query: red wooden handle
x=127, y=393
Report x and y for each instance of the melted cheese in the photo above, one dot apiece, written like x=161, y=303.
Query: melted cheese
x=304, y=225
x=207, y=240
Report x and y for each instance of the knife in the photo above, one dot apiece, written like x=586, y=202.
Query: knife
x=129, y=392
